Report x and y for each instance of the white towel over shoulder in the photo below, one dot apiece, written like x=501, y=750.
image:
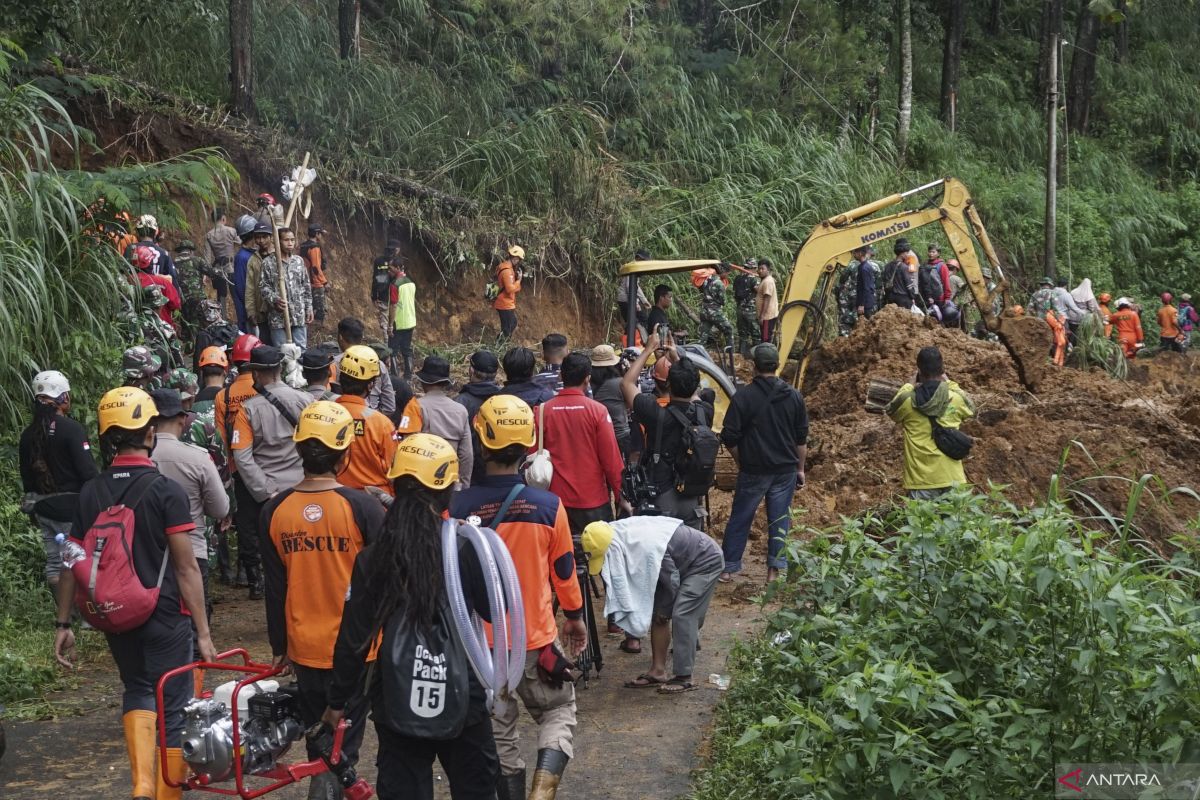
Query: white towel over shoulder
x=631, y=568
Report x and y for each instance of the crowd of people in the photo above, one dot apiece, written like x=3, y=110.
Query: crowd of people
x=317, y=474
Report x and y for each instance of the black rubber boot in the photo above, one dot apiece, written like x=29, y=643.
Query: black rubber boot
x=511, y=787
x=254, y=578
x=550, y=767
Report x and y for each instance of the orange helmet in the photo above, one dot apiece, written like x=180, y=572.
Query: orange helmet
x=1104, y=297
x=661, y=368
x=213, y=357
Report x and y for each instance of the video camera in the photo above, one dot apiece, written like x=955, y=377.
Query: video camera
x=637, y=489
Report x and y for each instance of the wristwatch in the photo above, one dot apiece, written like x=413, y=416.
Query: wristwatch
x=62, y=626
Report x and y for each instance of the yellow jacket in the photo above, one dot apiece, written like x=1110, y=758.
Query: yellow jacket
x=926, y=467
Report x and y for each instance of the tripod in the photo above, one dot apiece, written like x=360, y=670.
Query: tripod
x=591, y=657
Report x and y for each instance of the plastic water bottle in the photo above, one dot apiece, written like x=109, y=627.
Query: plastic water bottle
x=69, y=550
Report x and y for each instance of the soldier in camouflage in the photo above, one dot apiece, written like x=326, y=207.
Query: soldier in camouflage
x=299, y=293
x=1042, y=300
x=141, y=368
x=847, y=297
x=745, y=296
x=192, y=270
x=712, y=307
x=157, y=335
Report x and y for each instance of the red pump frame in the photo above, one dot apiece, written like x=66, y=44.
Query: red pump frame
x=283, y=774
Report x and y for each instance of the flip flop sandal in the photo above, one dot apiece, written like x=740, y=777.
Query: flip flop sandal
x=624, y=647
x=677, y=686
x=645, y=681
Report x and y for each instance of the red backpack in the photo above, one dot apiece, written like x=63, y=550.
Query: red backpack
x=108, y=592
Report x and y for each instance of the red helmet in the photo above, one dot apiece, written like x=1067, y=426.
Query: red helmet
x=270, y=199
x=1166, y=297
x=242, y=347
x=143, y=257
x=1105, y=297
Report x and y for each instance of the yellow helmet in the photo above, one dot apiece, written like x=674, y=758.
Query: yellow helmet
x=428, y=458
x=360, y=362
x=126, y=407
x=328, y=423
x=516, y=251
x=597, y=536
x=503, y=420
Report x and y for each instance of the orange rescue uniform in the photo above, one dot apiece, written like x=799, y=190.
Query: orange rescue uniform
x=1060, y=337
x=1105, y=314
x=1129, y=330
x=226, y=406
x=314, y=538
x=510, y=284
x=371, y=452
x=1168, y=321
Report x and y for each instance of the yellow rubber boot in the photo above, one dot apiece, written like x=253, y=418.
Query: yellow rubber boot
x=139, y=741
x=177, y=770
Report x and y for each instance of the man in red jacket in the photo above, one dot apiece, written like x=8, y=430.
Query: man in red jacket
x=935, y=259
x=143, y=259
x=583, y=448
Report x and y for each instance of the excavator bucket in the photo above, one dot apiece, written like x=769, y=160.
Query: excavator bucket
x=1028, y=341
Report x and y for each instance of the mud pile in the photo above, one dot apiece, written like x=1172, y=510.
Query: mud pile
x=1148, y=424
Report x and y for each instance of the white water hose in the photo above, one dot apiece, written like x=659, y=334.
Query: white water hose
x=500, y=669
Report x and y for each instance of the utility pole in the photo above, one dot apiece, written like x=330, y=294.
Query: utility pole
x=1051, y=155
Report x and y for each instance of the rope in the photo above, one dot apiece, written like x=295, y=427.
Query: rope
x=1067, y=159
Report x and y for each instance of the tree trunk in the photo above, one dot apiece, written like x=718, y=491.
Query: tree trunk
x=1123, y=32
x=873, y=95
x=1051, y=224
x=1051, y=30
x=904, y=123
x=956, y=20
x=993, y=23
x=349, y=14
x=241, y=57
x=1082, y=80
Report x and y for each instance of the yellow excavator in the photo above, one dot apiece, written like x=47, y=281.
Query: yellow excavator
x=810, y=284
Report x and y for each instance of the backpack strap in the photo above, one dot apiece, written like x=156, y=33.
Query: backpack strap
x=279, y=406
x=656, y=456
x=227, y=422
x=130, y=498
x=508, y=501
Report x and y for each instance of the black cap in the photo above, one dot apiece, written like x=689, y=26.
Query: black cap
x=315, y=228
x=641, y=255
x=168, y=402
x=265, y=357
x=316, y=358
x=485, y=362
x=434, y=370
x=261, y=227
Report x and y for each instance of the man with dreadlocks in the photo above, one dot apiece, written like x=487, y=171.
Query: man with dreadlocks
x=55, y=460
x=314, y=531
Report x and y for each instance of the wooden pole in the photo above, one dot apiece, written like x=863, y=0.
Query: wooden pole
x=287, y=221
x=1051, y=157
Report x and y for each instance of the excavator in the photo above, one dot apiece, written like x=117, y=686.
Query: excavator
x=827, y=248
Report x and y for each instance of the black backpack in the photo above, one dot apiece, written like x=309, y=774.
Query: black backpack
x=696, y=462
x=425, y=675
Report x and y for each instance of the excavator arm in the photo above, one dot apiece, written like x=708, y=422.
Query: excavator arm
x=808, y=287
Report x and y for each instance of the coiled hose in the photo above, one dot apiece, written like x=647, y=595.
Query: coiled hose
x=501, y=668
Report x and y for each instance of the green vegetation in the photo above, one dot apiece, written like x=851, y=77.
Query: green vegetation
x=64, y=286
x=960, y=651
x=588, y=128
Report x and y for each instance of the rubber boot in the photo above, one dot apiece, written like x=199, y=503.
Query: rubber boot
x=511, y=787
x=550, y=767
x=139, y=741
x=254, y=578
x=177, y=769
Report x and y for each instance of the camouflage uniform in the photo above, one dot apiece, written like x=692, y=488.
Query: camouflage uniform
x=712, y=310
x=141, y=367
x=157, y=335
x=1040, y=302
x=201, y=431
x=749, y=332
x=847, y=297
x=299, y=294
x=191, y=269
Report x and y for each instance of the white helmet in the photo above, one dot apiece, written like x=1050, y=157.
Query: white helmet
x=516, y=251
x=1124, y=301
x=51, y=383
x=147, y=221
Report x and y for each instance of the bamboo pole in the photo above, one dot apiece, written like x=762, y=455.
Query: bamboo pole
x=287, y=221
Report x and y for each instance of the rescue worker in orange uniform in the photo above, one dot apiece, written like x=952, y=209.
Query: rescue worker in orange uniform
x=1059, y=328
x=1168, y=325
x=508, y=279
x=1105, y=298
x=373, y=444
x=1129, y=327
x=533, y=524
x=313, y=533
